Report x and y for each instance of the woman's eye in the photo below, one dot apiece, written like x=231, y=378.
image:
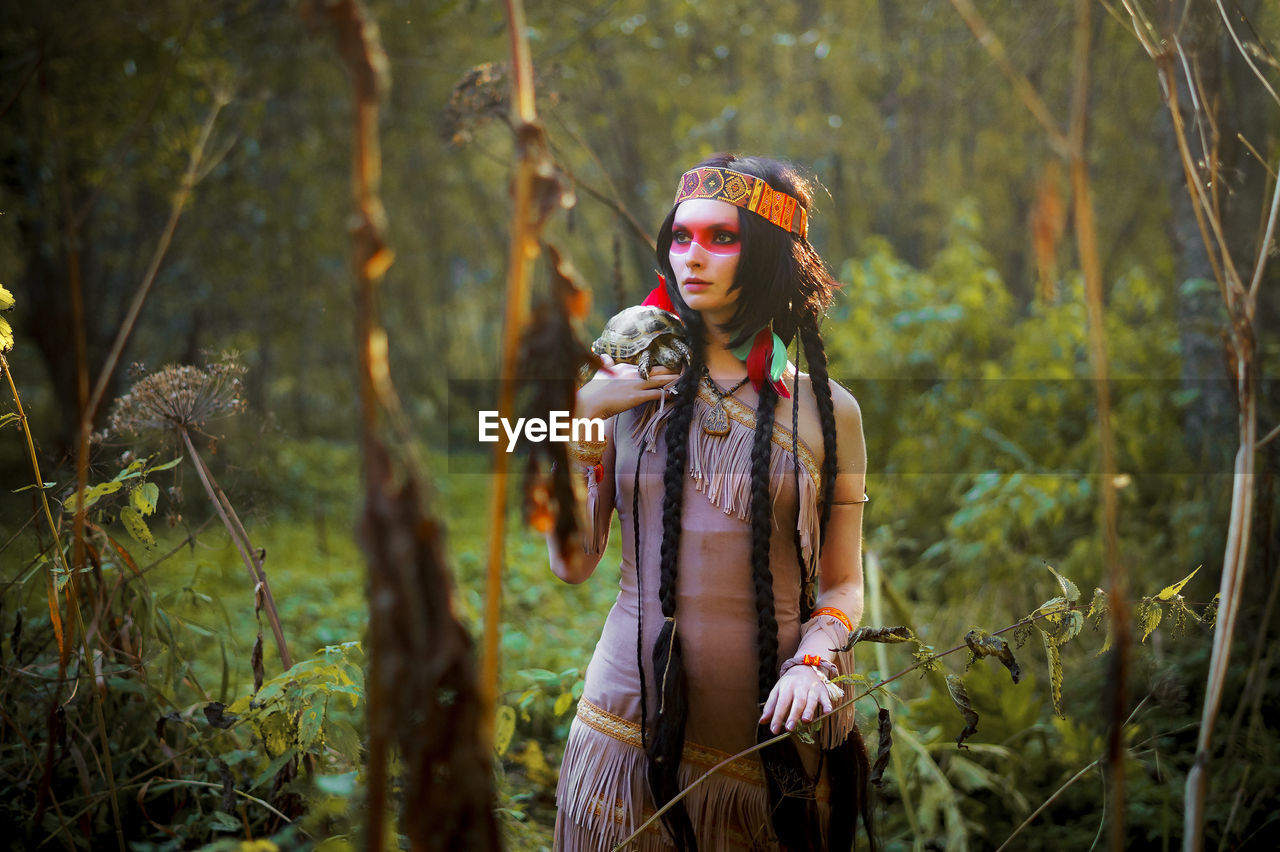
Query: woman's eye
x=726, y=238
x=680, y=237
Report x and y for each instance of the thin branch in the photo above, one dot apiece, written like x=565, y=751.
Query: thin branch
x=1245, y=53
x=1262, y=161
x=157, y=258
x=1270, y=436
x=242, y=794
x=1264, y=250
x=256, y=575
x=1021, y=85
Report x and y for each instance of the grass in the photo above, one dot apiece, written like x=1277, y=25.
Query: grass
x=317, y=574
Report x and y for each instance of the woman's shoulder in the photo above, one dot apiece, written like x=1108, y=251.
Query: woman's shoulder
x=845, y=405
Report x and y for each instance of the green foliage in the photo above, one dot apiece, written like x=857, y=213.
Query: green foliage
x=309, y=710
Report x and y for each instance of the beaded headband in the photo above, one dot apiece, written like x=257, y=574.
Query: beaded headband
x=746, y=191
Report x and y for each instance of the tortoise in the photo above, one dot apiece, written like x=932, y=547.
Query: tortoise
x=645, y=336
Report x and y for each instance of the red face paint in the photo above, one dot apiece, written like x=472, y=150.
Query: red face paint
x=710, y=229
x=705, y=248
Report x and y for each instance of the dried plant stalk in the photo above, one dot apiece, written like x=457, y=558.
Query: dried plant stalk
x=421, y=686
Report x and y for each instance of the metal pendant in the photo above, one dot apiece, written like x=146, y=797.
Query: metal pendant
x=716, y=420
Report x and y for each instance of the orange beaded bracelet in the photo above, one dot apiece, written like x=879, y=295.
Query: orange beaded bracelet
x=836, y=614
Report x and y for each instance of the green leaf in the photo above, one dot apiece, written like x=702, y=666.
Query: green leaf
x=1055, y=672
x=145, y=497
x=137, y=527
x=504, y=727
x=309, y=725
x=1069, y=590
x=343, y=739
x=1209, y=615
x=337, y=785
x=1065, y=626
x=1149, y=614
x=222, y=821
x=6, y=335
x=563, y=703
x=92, y=495
x=272, y=769
x=960, y=696
x=132, y=471
x=1099, y=606
x=925, y=658
x=165, y=466
x=983, y=644
x=6, y=299
x=34, y=485
x=1106, y=642
x=1169, y=592
x=8, y=418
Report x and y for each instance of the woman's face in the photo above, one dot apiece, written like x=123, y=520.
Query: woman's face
x=705, y=246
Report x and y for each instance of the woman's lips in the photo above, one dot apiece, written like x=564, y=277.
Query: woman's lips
x=695, y=285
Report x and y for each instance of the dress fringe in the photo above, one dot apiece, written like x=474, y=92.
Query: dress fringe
x=603, y=795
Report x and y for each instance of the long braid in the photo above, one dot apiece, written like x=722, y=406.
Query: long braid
x=791, y=793
x=808, y=566
x=816, y=354
x=848, y=767
x=667, y=745
x=761, y=532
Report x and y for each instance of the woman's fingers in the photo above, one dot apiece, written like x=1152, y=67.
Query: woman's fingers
x=795, y=699
x=813, y=701
x=769, y=706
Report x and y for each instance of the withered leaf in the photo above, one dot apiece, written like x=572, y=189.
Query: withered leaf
x=215, y=714
x=171, y=716
x=255, y=660
x=885, y=729
x=883, y=635
x=983, y=644
x=960, y=697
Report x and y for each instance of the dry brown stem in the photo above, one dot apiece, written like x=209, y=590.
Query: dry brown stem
x=257, y=576
x=421, y=687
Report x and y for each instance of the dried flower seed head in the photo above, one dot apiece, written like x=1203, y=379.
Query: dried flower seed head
x=180, y=396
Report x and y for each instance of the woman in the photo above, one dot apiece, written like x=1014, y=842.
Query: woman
x=729, y=520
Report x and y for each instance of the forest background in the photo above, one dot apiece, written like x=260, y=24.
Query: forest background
x=962, y=327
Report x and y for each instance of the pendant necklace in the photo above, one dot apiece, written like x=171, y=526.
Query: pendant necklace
x=716, y=420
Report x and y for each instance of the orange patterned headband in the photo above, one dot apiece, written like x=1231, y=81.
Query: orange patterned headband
x=745, y=191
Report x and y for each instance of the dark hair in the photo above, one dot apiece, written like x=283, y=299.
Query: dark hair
x=783, y=281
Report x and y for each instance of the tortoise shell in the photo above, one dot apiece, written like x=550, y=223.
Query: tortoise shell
x=644, y=335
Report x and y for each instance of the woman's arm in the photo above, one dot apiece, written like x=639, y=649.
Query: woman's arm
x=614, y=389
x=578, y=563
x=800, y=694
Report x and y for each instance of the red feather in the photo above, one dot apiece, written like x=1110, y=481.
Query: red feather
x=658, y=297
x=758, y=357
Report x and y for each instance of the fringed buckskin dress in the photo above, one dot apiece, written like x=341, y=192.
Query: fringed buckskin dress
x=603, y=793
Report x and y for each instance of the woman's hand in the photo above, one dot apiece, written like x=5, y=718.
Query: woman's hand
x=800, y=695
x=618, y=387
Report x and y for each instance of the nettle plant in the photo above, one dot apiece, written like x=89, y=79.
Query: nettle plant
x=1056, y=622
